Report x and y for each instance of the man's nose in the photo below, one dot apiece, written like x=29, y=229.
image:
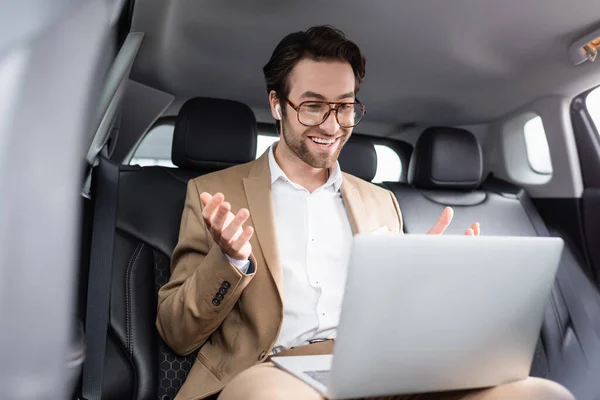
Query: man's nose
x=330, y=125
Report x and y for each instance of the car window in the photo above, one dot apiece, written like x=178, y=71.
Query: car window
x=592, y=103
x=155, y=149
x=263, y=142
x=389, y=166
x=538, y=152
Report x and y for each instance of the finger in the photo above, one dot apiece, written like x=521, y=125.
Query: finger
x=219, y=219
x=229, y=232
x=476, y=228
x=213, y=205
x=205, y=198
x=443, y=222
x=241, y=242
x=469, y=232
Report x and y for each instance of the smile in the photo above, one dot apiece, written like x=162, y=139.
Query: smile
x=325, y=142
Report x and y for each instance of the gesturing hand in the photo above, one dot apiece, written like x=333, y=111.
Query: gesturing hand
x=226, y=228
x=444, y=221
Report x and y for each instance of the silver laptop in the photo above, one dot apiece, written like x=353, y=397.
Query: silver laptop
x=426, y=313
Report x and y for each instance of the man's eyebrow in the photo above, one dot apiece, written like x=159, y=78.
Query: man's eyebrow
x=349, y=95
x=311, y=94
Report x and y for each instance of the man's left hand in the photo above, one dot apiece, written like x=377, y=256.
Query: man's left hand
x=445, y=220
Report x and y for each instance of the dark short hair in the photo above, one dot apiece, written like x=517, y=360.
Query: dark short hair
x=318, y=43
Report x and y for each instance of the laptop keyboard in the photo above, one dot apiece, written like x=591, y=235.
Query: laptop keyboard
x=319, y=376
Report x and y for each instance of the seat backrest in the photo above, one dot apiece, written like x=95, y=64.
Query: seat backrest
x=446, y=170
x=359, y=158
x=210, y=134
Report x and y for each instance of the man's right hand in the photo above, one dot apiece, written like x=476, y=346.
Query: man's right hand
x=226, y=228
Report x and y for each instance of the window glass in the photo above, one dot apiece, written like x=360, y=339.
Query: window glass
x=263, y=142
x=592, y=103
x=538, y=152
x=155, y=149
x=389, y=166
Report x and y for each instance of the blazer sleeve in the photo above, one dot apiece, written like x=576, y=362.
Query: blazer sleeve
x=203, y=287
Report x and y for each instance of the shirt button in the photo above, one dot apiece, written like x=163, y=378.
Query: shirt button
x=262, y=356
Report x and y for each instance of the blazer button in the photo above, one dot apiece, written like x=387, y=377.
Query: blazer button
x=262, y=356
x=226, y=285
x=216, y=302
x=223, y=291
x=219, y=296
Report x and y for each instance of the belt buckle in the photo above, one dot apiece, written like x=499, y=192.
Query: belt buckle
x=313, y=341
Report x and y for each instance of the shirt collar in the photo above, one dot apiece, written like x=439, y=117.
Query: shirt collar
x=335, y=173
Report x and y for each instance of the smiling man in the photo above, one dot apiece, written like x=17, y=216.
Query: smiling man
x=278, y=276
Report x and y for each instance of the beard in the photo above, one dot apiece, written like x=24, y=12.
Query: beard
x=296, y=142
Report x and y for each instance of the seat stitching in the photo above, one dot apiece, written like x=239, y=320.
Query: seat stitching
x=127, y=313
x=131, y=296
x=557, y=315
x=127, y=296
x=132, y=261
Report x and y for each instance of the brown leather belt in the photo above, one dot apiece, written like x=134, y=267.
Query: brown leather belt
x=316, y=347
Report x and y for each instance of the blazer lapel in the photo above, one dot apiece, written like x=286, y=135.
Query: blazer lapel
x=355, y=206
x=260, y=204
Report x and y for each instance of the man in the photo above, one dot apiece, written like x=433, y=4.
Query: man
x=239, y=296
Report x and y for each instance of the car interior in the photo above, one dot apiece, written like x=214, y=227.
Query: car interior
x=488, y=107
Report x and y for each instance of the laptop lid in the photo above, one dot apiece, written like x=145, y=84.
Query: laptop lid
x=424, y=313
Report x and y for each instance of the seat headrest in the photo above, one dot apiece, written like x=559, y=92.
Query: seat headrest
x=212, y=134
x=446, y=158
x=358, y=158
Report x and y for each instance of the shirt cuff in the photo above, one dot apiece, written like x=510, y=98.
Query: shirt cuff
x=242, y=265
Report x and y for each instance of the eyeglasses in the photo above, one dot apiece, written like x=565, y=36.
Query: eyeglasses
x=314, y=113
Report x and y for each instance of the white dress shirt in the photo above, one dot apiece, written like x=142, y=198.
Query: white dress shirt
x=314, y=237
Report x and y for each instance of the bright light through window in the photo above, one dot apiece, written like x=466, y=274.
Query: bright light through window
x=263, y=142
x=592, y=104
x=389, y=166
x=155, y=149
x=536, y=143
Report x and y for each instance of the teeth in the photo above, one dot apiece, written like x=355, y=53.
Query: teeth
x=323, y=141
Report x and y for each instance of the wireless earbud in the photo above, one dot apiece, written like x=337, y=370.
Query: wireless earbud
x=278, y=111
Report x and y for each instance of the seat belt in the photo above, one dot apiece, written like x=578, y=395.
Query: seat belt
x=580, y=316
x=105, y=194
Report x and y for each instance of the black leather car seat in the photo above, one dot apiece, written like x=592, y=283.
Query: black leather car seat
x=210, y=134
x=359, y=158
x=446, y=170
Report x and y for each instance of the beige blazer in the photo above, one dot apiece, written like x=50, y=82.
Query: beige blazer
x=240, y=330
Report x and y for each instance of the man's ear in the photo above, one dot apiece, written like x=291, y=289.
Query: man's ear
x=275, y=106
